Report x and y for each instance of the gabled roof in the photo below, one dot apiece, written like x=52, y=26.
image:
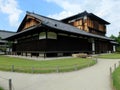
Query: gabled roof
x=62, y=26
x=58, y=25
x=5, y=34
x=85, y=13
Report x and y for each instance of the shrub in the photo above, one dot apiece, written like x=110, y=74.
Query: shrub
x=118, y=49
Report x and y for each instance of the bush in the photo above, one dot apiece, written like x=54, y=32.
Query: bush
x=118, y=49
x=1, y=88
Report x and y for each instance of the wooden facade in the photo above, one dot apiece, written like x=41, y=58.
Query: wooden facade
x=3, y=43
x=90, y=25
x=62, y=44
x=29, y=22
x=39, y=35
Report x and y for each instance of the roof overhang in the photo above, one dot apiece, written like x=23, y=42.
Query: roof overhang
x=113, y=42
x=56, y=25
x=18, y=34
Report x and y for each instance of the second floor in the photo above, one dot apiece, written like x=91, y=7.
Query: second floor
x=88, y=22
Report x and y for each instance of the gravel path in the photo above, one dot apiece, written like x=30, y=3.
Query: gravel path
x=96, y=77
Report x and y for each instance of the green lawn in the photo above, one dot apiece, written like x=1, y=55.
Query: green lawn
x=30, y=66
x=116, y=78
x=110, y=56
x=1, y=88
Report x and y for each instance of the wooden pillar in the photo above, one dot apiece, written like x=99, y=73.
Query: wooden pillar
x=22, y=54
x=26, y=54
x=114, y=48
x=44, y=55
x=93, y=46
x=10, y=84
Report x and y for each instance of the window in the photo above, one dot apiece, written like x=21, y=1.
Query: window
x=76, y=23
x=42, y=35
x=62, y=34
x=80, y=22
x=52, y=35
x=15, y=41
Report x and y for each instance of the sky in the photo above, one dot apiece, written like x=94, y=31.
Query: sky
x=12, y=12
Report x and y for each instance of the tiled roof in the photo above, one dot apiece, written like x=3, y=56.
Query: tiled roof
x=64, y=27
x=5, y=34
x=85, y=13
x=59, y=25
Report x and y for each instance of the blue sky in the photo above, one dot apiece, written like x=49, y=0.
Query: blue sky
x=13, y=11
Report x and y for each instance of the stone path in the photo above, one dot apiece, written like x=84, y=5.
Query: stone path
x=96, y=77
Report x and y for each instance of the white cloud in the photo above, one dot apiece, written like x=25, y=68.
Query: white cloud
x=69, y=8
x=106, y=9
x=11, y=8
x=61, y=15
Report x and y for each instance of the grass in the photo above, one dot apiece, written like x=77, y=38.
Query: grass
x=116, y=78
x=31, y=66
x=110, y=56
x=1, y=88
x=116, y=73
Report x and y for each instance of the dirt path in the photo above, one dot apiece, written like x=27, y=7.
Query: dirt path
x=96, y=77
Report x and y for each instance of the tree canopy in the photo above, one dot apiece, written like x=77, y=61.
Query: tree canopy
x=117, y=39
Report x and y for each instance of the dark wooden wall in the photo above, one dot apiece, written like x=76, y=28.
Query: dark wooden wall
x=103, y=46
x=35, y=45
x=62, y=43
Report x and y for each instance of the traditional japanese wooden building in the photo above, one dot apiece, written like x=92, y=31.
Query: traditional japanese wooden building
x=4, y=43
x=81, y=33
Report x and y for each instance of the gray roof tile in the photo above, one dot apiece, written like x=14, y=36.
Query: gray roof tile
x=5, y=34
x=59, y=25
x=64, y=27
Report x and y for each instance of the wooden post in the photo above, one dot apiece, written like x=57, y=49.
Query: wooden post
x=75, y=67
x=114, y=66
x=57, y=69
x=12, y=68
x=44, y=55
x=37, y=55
x=32, y=69
x=110, y=70
x=93, y=46
x=26, y=54
x=119, y=63
x=96, y=59
x=88, y=63
x=10, y=84
x=21, y=53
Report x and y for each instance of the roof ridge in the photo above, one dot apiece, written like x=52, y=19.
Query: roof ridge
x=50, y=22
x=55, y=20
x=84, y=12
x=42, y=16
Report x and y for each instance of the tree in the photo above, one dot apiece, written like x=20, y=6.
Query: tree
x=117, y=39
x=113, y=37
